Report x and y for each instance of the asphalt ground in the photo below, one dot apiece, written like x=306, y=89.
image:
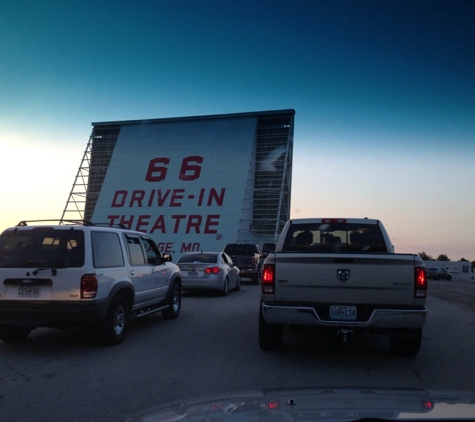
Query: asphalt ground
x=459, y=292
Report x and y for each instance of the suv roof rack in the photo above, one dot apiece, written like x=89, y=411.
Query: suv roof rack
x=66, y=222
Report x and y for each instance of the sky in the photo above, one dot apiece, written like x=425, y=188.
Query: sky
x=383, y=91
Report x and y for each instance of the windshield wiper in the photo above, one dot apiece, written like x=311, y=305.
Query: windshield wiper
x=53, y=270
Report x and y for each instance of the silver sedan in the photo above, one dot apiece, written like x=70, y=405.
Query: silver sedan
x=209, y=270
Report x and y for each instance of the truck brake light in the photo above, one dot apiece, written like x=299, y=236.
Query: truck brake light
x=88, y=286
x=268, y=279
x=333, y=220
x=420, y=283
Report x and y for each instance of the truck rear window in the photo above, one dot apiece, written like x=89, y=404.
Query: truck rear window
x=335, y=238
x=240, y=249
x=41, y=248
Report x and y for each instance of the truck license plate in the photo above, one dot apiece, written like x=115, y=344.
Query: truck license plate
x=343, y=312
x=29, y=291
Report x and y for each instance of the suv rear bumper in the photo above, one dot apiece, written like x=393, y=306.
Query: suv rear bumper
x=380, y=318
x=51, y=314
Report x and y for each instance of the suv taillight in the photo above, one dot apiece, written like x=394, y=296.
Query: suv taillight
x=268, y=281
x=88, y=286
x=420, y=287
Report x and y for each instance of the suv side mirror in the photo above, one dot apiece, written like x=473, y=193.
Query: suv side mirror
x=166, y=257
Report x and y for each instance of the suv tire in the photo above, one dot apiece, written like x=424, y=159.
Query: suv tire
x=113, y=328
x=174, y=303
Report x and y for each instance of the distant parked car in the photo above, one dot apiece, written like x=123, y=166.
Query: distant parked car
x=247, y=257
x=438, y=274
x=209, y=270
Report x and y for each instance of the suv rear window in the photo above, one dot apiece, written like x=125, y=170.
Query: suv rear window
x=334, y=238
x=41, y=247
x=240, y=249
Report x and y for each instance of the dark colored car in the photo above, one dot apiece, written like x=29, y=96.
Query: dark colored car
x=247, y=257
x=438, y=274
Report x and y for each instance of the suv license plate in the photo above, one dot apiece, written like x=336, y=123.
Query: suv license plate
x=343, y=312
x=28, y=291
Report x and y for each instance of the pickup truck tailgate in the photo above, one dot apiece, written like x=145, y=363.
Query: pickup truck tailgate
x=379, y=279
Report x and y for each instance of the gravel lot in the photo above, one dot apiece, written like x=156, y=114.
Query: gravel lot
x=461, y=292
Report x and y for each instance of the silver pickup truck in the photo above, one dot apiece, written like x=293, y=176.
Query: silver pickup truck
x=342, y=274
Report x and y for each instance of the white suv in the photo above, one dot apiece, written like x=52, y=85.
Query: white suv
x=81, y=274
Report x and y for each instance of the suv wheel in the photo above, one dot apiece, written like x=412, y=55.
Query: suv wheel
x=113, y=327
x=174, y=303
x=14, y=334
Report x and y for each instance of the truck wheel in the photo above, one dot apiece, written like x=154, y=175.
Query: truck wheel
x=174, y=303
x=270, y=335
x=14, y=334
x=112, y=330
x=406, y=342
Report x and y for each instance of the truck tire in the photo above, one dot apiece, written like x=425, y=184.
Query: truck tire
x=406, y=342
x=270, y=335
x=112, y=330
x=174, y=303
x=14, y=334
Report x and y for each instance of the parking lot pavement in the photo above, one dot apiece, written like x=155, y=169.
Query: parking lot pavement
x=461, y=292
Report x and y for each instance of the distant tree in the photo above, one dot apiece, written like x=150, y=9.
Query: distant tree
x=443, y=257
x=463, y=260
x=425, y=257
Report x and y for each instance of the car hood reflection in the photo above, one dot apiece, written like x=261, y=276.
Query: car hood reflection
x=320, y=404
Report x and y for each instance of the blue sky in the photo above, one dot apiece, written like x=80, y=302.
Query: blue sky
x=384, y=94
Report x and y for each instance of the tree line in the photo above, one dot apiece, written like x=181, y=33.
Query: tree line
x=442, y=257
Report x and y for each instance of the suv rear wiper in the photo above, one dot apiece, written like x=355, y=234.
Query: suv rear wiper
x=53, y=270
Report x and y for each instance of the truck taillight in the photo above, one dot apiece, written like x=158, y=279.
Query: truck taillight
x=88, y=286
x=420, y=291
x=268, y=281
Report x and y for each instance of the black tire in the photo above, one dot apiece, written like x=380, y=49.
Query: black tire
x=225, y=290
x=449, y=278
x=406, y=343
x=14, y=334
x=270, y=335
x=112, y=330
x=174, y=303
x=238, y=284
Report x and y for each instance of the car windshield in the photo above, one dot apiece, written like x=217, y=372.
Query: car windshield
x=185, y=136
